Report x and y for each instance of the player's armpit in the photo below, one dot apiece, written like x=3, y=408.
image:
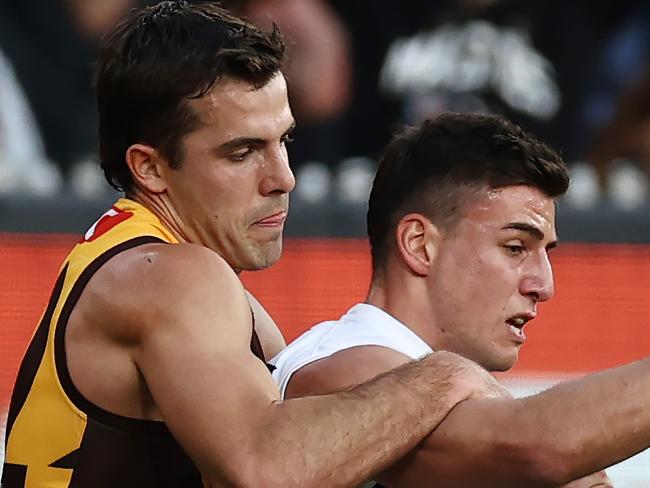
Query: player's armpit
x=267, y=331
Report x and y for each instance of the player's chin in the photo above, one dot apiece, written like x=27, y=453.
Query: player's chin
x=504, y=359
x=266, y=254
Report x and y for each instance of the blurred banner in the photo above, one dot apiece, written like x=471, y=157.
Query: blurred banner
x=599, y=317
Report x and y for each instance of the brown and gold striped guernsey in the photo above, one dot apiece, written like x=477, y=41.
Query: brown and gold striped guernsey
x=55, y=437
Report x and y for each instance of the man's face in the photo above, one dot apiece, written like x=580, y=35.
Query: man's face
x=232, y=189
x=490, y=272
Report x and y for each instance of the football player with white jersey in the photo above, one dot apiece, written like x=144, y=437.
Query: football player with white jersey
x=461, y=221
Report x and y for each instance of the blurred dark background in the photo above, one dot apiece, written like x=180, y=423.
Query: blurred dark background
x=577, y=74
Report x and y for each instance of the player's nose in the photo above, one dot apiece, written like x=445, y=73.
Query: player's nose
x=538, y=282
x=278, y=177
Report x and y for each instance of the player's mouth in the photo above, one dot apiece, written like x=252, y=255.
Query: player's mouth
x=516, y=326
x=275, y=220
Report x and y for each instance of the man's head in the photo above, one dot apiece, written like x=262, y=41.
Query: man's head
x=193, y=112
x=464, y=206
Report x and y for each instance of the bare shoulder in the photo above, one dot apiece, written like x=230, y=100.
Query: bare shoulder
x=344, y=369
x=183, y=262
x=156, y=284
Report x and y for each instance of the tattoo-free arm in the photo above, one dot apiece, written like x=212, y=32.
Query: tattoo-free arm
x=567, y=432
x=220, y=402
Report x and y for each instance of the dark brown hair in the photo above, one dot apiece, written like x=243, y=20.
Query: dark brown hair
x=159, y=57
x=424, y=169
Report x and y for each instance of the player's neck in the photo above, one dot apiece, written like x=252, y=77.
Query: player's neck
x=403, y=302
x=162, y=208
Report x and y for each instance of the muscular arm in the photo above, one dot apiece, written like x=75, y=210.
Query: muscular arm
x=567, y=432
x=193, y=327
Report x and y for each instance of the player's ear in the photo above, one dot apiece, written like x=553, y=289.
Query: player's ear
x=145, y=164
x=417, y=242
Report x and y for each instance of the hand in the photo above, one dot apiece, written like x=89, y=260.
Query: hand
x=596, y=480
x=476, y=381
x=489, y=387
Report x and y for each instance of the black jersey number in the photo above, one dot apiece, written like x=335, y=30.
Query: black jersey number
x=13, y=476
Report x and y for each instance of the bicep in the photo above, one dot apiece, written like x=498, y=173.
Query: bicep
x=210, y=396
x=193, y=350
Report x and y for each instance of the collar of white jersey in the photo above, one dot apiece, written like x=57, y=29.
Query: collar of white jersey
x=364, y=312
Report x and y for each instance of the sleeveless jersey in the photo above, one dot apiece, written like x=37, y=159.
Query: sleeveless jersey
x=362, y=325
x=55, y=437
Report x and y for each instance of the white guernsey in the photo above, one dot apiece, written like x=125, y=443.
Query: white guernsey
x=362, y=325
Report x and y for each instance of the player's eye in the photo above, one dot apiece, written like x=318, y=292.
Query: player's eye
x=514, y=249
x=287, y=139
x=240, y=155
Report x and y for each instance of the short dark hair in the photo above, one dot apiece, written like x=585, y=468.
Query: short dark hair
x=159, y=57
x=425, y=168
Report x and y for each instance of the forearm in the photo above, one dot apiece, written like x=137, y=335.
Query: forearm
x=473, y=446
x=481, y=444
x=562, y=434
x=592, y=422
x=344, y=438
